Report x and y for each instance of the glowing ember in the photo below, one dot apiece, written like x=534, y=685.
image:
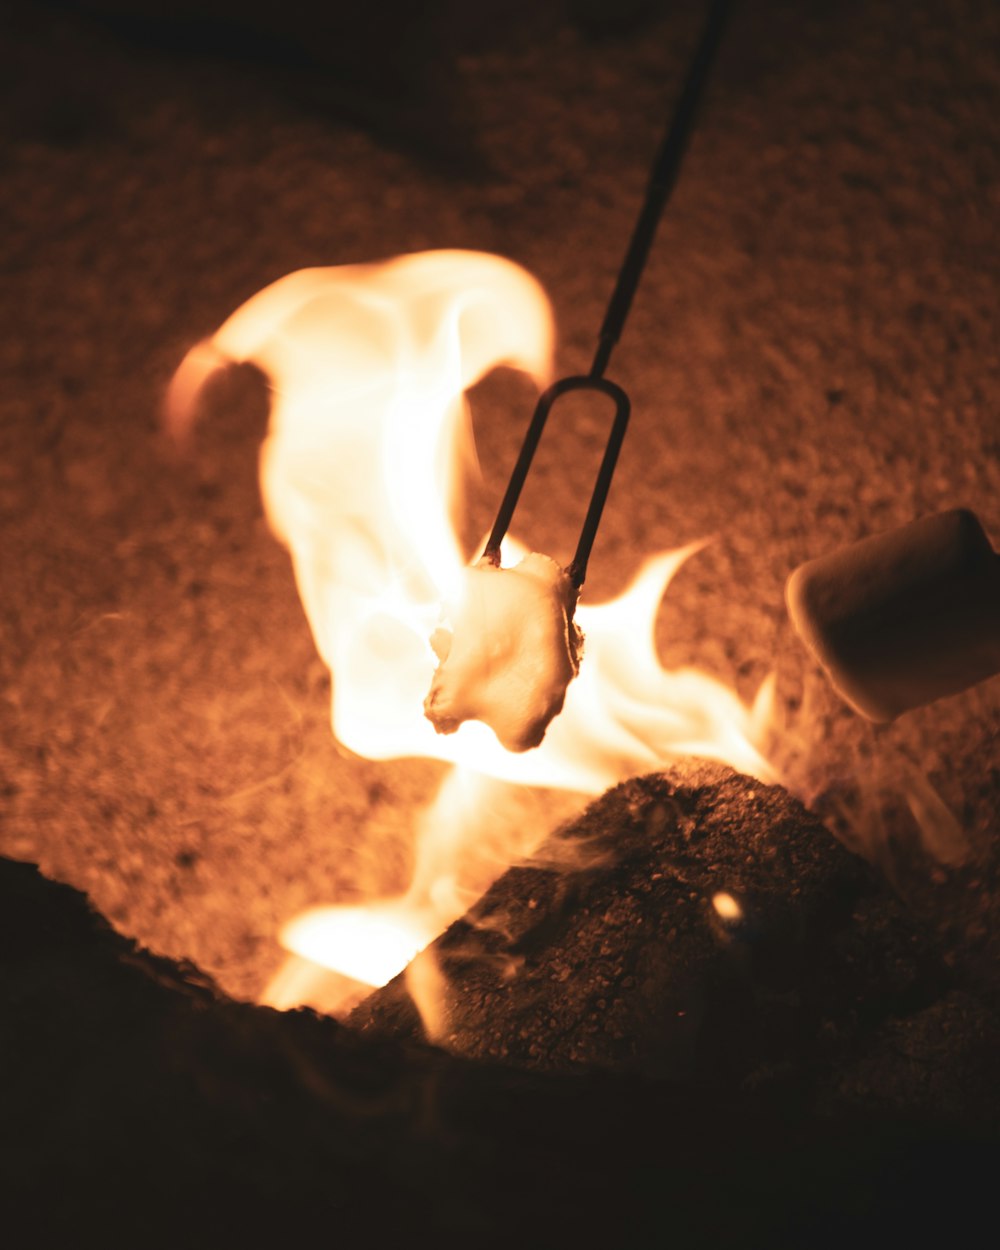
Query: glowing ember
x=361, y=473
x=726, y=906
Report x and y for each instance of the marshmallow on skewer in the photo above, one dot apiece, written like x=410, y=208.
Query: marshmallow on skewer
x=508, y=653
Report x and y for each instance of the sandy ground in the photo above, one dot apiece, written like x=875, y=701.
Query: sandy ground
x=813, y=356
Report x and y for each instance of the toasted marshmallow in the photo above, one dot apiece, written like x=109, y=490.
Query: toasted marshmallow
x=508, y=652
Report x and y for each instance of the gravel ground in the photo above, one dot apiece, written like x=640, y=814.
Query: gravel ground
x=812, y=357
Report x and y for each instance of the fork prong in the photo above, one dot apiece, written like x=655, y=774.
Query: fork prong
x=663, y=176
x=577, y=569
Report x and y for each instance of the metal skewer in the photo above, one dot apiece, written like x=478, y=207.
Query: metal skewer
x=663, y=177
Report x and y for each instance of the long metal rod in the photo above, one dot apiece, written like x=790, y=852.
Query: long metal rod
x=662, y=180
x=663, y=176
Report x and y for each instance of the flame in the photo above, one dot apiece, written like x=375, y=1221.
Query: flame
x=363, y=473
x=374, y=942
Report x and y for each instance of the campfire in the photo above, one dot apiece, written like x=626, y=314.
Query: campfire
x=363, y=470
x=419, y=885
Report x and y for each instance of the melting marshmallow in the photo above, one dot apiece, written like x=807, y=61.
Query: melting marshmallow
x=509, y=652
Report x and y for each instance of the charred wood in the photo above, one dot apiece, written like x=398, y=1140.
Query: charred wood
x=673, y=929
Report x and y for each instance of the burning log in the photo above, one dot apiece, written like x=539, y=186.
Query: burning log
x=674, y=929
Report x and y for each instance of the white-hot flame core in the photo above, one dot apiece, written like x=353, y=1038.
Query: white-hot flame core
x=726, y=906
x=372, y=942
x=362, y=472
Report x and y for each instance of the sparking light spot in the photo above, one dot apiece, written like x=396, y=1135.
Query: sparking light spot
x=726, y=906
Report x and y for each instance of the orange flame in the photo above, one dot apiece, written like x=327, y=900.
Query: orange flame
x=362, y=472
